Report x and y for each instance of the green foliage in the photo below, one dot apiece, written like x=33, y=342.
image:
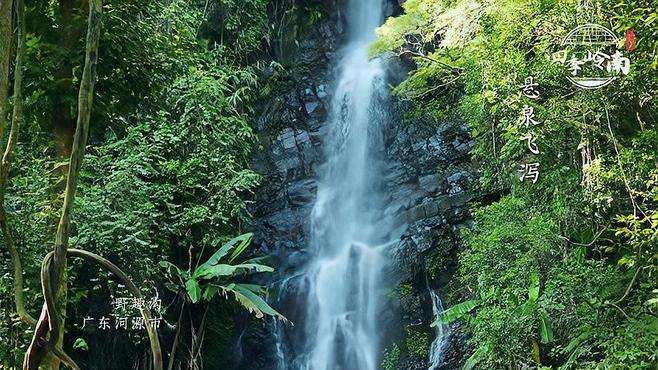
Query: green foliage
x=236, y=27
x=460, y=311
x=418, y=343
x=525, y=244
x=563, y=269
x=80, y=344
x=214, y=277
x=391, y=357
x=166, y=172
x=176, y=178
x=405, y=289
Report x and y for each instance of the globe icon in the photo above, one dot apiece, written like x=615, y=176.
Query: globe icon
x=591, y=36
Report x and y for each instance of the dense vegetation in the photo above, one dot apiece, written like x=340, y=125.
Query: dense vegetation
x=556, y=274
x=561, y=273
x=165, y=179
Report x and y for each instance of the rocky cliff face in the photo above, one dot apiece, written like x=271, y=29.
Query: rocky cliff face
x=430, y=180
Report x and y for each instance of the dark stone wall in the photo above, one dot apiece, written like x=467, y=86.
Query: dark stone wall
x=430, y=180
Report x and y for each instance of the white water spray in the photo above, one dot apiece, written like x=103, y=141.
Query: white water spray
x=347, y=223
x=441, y=339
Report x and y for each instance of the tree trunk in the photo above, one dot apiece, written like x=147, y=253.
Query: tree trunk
x=52, y=323
x=5, y=57
x=63, y=124
x=5, y=164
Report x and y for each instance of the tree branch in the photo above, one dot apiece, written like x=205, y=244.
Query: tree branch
x=53, y=321
x=153, y=335
x=49, y=320
x=454, y=69
x=5, y=57
x=5, y=166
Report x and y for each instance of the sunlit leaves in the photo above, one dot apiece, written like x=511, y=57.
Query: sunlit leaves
x=218, y=275
x=456, y=312
x=568, y=264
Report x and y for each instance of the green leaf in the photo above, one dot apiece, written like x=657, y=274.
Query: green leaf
x=245, y=295
x=258, y=289
x=545, y=331
x=533, y=290
x=258, y=260
x=455, y=312
x=239, y=243
x=576, y=342
x=193, y=290
x=210, y=272
x=81, y=344
x=580, y=253
x=210, y=292
x=245, y=242
x=473, y=360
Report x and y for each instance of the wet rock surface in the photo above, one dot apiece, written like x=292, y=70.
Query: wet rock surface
x=430, y=180
x=435, y=186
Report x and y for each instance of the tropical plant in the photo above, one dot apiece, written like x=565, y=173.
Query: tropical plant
x=585, y=233
x=166, y=165
x=460, y=311
x=218, y=275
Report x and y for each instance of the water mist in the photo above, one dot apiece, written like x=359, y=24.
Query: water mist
x=348, y=229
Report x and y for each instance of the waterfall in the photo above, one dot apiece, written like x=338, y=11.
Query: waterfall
x=348, y=229
x=441, y=334
x=278, y=329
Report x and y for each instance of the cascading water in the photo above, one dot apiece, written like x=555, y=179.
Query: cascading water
x=441, y=335
x=348, y=229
